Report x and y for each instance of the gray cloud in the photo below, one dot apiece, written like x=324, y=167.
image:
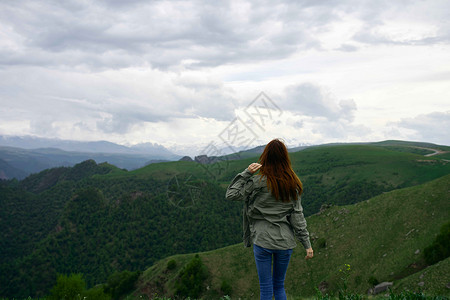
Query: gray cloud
x=120, y=118
x=432, y=127
x=106, y=66
x=204, y=97
x=169, y=33
x=43, y=127
x=111, y=102
x=310, y=100
x=340, y=130
x=378, y=30
x=348, y=48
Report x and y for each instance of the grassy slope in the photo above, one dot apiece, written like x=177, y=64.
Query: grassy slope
x=434, y=278
x=412, y=144
x=336, y=164
x=444, y=156
x=337, y=161
x=335, y=168
x=371, y=162
x=377, y=237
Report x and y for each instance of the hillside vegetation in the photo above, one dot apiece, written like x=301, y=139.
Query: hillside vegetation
x=341, y=174
x=96, y=226
x=380, y=239
x=19, y=163
x=97, y=219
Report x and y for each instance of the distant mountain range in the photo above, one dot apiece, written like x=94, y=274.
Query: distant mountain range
x=21, y=156
x=30, y=142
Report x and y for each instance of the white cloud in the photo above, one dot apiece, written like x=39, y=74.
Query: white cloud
x=178, y=71
x=432, y=127
x=310, y=100
x=115, y=99
x=166, y=34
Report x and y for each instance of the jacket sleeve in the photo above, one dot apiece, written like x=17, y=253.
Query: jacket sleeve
x=298, y=224
x=240, y=187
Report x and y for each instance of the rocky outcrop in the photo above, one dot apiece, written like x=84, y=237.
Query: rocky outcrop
x=185, y=158
x=384, y=286
x=204, y=159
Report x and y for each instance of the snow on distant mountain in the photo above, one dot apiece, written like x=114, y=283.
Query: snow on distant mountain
x=31, y=142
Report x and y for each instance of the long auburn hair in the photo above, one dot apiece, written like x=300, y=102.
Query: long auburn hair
x=282, y=181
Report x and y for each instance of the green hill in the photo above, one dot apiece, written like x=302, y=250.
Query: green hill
x=435, y=280
x=378, y=238
x=99, y=224
x=139, y=217
x=336, y=174
x=23, y=162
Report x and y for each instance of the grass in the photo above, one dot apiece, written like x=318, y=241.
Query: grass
x=336, y=164
x=434, y=279
x=444, y=156
x=378, y=237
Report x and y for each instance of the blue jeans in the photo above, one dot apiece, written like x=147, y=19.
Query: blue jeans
x=271, y=284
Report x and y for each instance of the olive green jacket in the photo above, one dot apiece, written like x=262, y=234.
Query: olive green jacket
x=267, y=222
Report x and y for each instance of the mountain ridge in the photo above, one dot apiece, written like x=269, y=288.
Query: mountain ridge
x=28, y=161
x=20, y=162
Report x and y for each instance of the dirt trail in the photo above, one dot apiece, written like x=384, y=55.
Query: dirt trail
x=436, y=151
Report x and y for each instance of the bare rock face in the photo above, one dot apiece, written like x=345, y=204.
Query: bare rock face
x=324, y=207
x=205, y=159
x=381, y=287
x=186, y=158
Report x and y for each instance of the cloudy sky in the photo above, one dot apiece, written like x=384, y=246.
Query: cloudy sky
x=187, y=73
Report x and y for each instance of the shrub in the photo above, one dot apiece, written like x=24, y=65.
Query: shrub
x=320, y=296
x=96, y=293
x=171, y=264
x=440, y=248
x=226, y=288
x=373, y=281
x=321, y=243
x=121, y=283
x=68, y=287
x=191, y=279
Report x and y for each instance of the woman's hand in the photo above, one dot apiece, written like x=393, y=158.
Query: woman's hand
x=309, y=253
x=254, y=167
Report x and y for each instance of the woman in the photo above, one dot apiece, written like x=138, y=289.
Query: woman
x=273, y=215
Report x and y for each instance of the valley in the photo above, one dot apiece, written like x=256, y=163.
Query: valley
x=368, y=205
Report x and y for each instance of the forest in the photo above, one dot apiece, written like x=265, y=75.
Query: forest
x=97, y=219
